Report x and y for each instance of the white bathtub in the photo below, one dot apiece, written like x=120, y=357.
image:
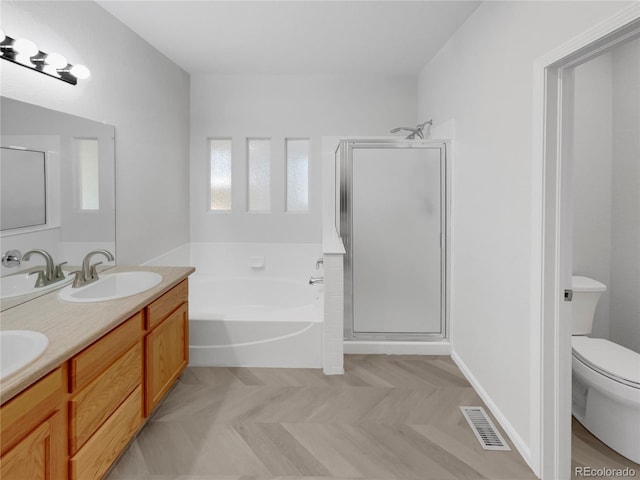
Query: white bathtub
x=254, y=322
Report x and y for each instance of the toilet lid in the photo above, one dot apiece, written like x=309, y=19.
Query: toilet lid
x=611, y=359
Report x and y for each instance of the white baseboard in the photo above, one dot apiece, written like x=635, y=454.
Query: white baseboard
x=333, y=371
x=515, y=438
x=397, y=348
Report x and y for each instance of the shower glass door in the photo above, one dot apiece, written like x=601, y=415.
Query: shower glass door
x=395, y=246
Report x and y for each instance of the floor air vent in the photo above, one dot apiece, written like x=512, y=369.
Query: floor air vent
x=484, y=429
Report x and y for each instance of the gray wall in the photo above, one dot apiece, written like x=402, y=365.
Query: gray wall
x=606, y=188
x=591, y=177
x=482, y=81
x=625, y=219
x=132, y=86
x=277, y=107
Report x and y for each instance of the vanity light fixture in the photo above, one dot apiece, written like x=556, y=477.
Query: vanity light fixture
x=24, y=52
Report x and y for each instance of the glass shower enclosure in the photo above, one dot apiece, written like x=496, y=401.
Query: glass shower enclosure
x=391, y=211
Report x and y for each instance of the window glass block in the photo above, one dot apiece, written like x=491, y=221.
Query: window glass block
x=259, y=159
x=297, y=175
x=220, y=169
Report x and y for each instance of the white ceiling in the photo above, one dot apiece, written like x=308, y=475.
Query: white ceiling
x=295, y=37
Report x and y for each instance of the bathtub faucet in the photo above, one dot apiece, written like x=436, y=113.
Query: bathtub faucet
x=314, y=280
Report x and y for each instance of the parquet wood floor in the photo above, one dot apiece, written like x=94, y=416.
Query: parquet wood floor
x=388, y=417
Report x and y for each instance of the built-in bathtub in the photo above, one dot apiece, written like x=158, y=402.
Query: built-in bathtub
x=249, y=322
x=251, y=305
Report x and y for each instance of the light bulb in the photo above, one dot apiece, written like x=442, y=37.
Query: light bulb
x=25, y=47
x=23, y=59
x=51, y=71
x=80, y=71
x=56, y=61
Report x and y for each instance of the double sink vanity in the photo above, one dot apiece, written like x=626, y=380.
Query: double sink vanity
x=90, y=364
x=85, y=359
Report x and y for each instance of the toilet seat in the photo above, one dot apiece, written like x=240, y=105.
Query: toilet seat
x=609, y=359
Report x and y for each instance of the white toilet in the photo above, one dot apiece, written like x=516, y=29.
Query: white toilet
x=606, y=377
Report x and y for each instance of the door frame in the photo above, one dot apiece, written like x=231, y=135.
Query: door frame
x=551, y=239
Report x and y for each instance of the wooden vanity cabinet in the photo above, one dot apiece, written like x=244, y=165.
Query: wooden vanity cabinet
x=166, y=343
x=33, y=432
x=75, y=422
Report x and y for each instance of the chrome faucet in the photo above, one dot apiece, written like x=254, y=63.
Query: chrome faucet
x=89, y=273
x=12, y=258
x=51, y=273
x=314, y=280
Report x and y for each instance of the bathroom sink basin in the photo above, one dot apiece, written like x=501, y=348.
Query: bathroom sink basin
x=18, y=348
x=112, y=286
x=24, y=284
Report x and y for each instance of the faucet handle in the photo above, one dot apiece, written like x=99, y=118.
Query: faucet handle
x=78, y=280
x=93, y=273
x=59, y=274
x=41, y=281
x=319, y=262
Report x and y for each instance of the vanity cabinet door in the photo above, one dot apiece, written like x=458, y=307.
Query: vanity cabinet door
x=167, y=348
x=36, y=457
x=33, y=433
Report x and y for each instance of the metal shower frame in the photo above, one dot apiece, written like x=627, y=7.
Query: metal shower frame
x=344, y=227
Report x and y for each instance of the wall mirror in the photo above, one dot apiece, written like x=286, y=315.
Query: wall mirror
x=57, y=192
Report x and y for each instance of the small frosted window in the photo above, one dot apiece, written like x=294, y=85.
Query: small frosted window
x=23, y=171
x=259, y=158
x=297, y=175
x=220, y=179
x=89, y=176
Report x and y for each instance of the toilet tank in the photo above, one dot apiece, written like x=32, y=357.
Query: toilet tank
x=586, y=293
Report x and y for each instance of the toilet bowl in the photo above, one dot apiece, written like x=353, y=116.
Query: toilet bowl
x=606, y=378
x=606, y=393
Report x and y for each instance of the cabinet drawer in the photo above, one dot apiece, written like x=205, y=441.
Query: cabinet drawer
x=167, y=303
x=167, y=356
x=21, y=414
x=91, y=406
x=104, y=447
x=93, y=360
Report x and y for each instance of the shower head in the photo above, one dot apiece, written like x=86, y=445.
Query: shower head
x=414, y=131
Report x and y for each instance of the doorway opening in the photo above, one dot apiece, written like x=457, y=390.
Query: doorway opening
x=555, y=143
